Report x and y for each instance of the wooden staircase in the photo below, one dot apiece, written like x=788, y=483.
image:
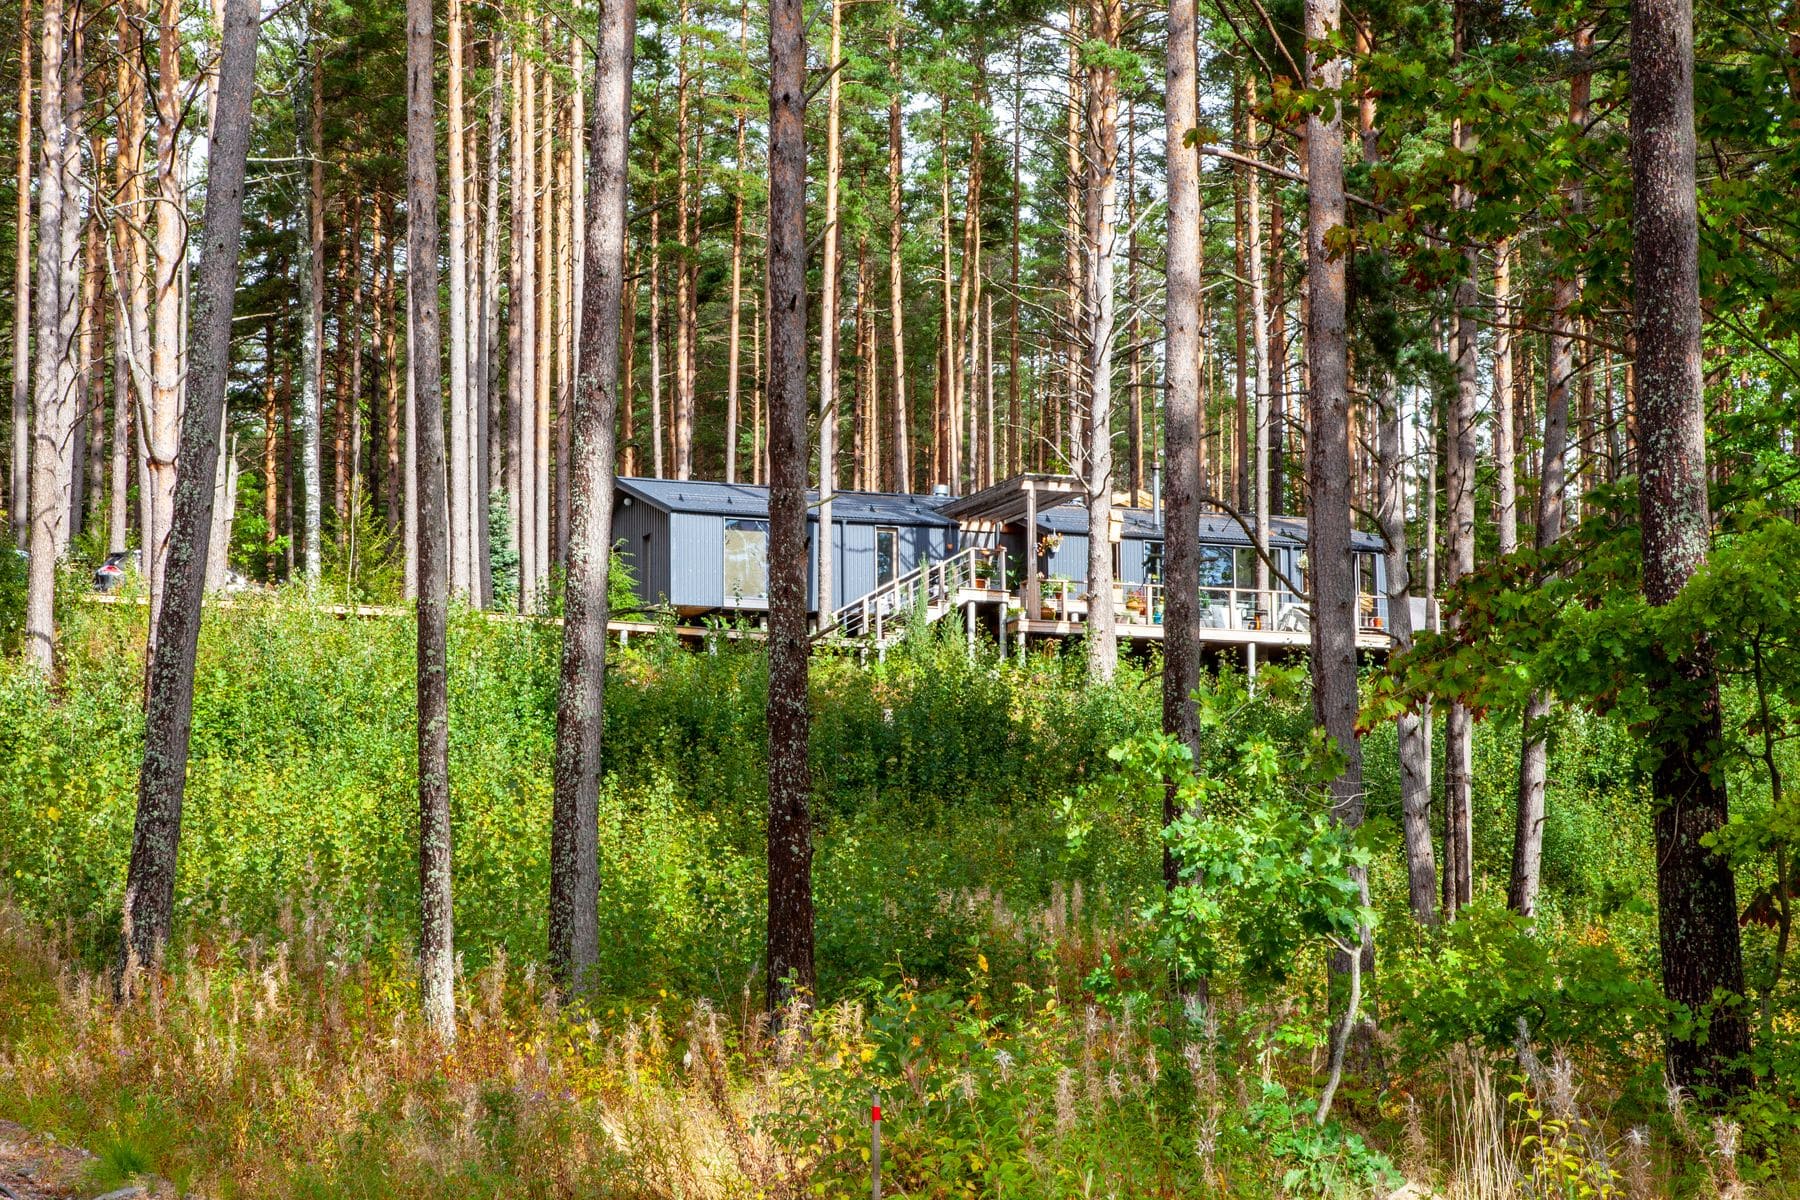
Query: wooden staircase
x=930, y=592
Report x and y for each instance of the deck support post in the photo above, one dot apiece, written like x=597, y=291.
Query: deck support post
x=1032, y=596
x=969, y=622
x=1250, y=660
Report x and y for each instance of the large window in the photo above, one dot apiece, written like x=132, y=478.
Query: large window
x=887, y=554
x=1215, y=566
x=746, y=560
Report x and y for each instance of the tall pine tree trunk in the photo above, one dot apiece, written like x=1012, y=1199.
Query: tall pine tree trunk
x=156, y=837
x=1702, y=958
x=58, y=299
x=462, y=576
x=19, y=492
x=1100, y=200
x=734, y=341
x=685, y=238
x=1333, y=574
x=829, y=288
x=437, y=944
x=1460, y=487
x=1181, y=403
x=574, y=836
x=789, y=960
x=1506, y=486
x=1534, y=750
x=902, y=476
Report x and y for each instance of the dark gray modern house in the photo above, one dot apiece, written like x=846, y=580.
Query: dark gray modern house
x=1227, y=559
x=1012, y=558
x=699, y=546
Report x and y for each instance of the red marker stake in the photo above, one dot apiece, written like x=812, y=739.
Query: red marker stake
x=875, y=1146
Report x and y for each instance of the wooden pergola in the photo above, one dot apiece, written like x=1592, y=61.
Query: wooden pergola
x=1017, y=501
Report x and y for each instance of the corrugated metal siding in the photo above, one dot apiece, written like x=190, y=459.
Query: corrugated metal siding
x=697, y=560
x=1131, y=560
x=855, y=573
x=641, y=533
x=1069, y=560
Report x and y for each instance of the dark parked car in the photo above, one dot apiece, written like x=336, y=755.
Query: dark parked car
x=111, y=573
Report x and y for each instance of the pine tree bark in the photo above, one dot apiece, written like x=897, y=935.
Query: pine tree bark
x=462, y=575
x=1181, y=402
x=789, y=959
x=1100, y=208
x=1506, y=485
x=543, y=285
x=1015, y=423
x=437, y=945
x=1460, y=468
x=156, y=836
x=1254, y=443
x=685, y=240
x=1534, y=751
x=493, y=407
x=58, y=301
x=574, y=840
x=1134, y=416
x=1332, y=569
x=902, y=476
x=1702, y=958
x=19, y=493
x=567, y=229
x=1412, y=733
x=734, y=342
x=829, y=289
x=271, y=455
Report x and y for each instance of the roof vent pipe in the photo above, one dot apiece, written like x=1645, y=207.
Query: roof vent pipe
x=940, y=489
x=1156, y=491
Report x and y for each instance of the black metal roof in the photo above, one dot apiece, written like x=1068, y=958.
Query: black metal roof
x=750, y=500
x=898, y=508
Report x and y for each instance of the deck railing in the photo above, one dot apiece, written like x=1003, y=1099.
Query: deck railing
x=934, y=584
x=1241, y=609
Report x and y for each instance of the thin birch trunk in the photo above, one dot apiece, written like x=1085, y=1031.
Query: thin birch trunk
x=312, y=274
x=163, y=426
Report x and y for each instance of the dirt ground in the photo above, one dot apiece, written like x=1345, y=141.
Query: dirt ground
x=36, y=1168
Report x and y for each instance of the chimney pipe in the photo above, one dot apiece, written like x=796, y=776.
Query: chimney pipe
x=1156, y=491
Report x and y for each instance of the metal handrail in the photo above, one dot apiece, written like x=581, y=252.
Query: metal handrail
x=934, y=582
